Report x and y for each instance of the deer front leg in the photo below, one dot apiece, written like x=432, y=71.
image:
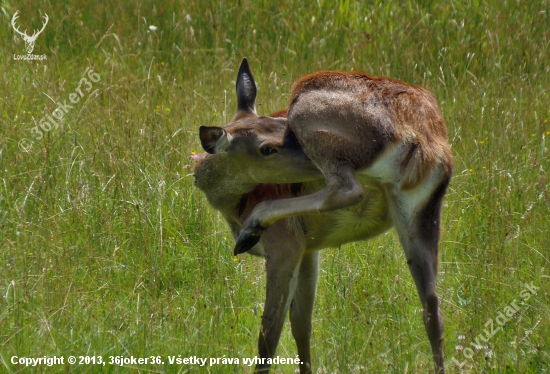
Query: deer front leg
x=342, y=190
x=283, y=258
x=301, y=308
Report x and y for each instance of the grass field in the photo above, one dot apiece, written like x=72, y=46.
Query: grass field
x=107, y=249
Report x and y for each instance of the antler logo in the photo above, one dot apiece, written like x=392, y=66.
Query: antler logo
x=29, y=40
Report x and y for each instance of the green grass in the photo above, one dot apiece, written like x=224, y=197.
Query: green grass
x=106, y=248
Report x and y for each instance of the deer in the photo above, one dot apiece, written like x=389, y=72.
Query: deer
x=29, y=40
x=352, y=156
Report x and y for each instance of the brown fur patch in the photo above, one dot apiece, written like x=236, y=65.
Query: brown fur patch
x=342, y=80
x=280, y=114
x=264, y=192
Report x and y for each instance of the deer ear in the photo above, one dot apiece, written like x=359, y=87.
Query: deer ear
x=214, y=139
x=246, y=89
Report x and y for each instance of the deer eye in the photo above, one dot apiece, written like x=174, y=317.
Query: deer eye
x=266, y=150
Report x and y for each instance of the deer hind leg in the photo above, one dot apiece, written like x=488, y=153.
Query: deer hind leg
x=418, y=230
x=342, y=190
x=283, y=253
x=301, y=308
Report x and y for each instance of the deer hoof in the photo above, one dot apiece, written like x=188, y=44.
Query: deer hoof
x=245, y=242
x=249, y=238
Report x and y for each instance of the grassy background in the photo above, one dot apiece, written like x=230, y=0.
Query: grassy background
x=106, y=248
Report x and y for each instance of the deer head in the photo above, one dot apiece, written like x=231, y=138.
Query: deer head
x=256, y=149
x=29, y=40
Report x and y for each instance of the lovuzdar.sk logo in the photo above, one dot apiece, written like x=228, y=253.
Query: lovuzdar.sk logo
x=29, y=40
